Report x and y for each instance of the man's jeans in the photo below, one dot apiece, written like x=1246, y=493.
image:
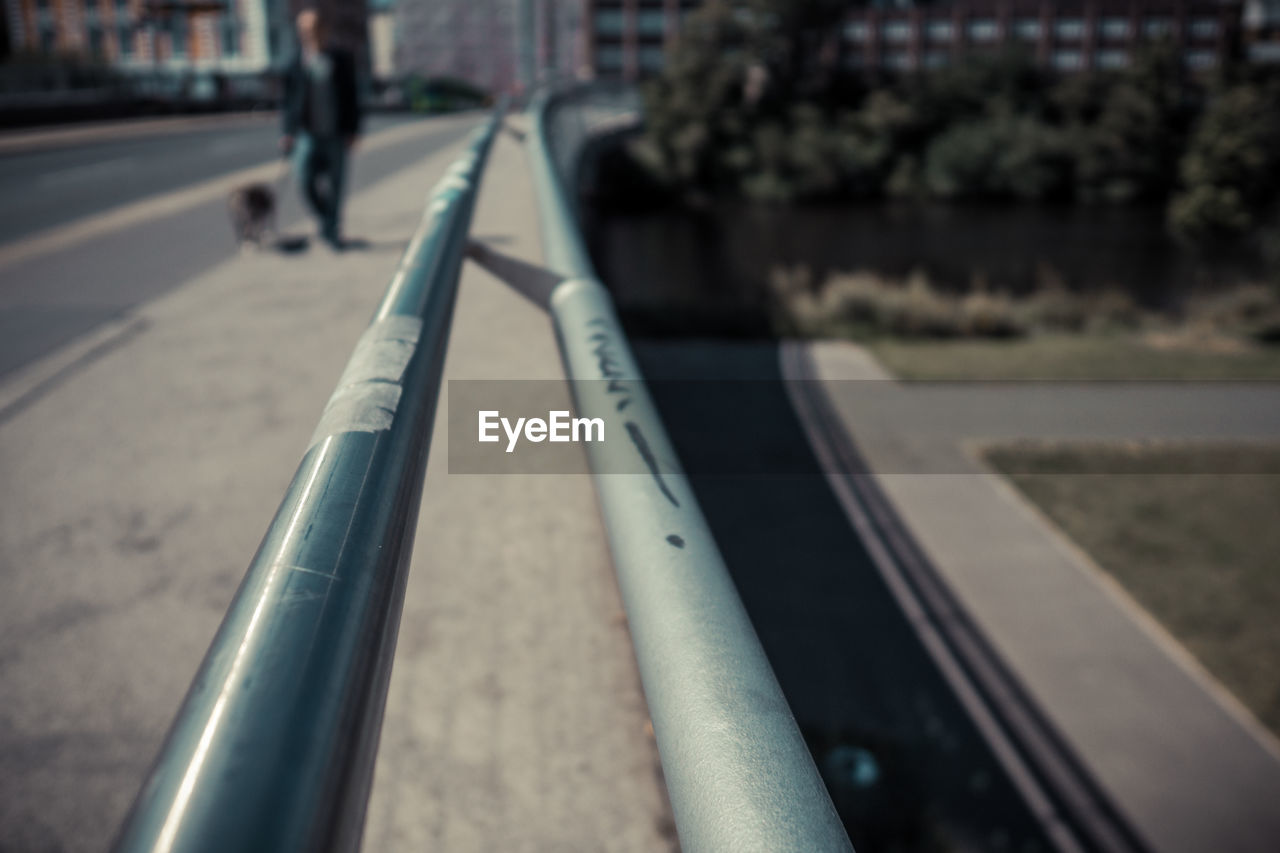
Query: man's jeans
x=320, y=163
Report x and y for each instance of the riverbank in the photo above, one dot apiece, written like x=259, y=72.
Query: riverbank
x=1188, y=531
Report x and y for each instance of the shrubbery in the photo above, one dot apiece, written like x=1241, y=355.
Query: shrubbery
x=748, y=106
x=863, y=304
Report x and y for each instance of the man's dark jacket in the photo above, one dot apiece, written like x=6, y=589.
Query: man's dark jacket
x=297, y=95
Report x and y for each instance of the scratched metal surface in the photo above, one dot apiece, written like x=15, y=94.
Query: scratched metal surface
x=273, y=748
x=738, y=772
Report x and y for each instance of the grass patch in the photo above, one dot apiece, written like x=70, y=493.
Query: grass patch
x=921, y=332
x=1064, y=356
x=1189, y=531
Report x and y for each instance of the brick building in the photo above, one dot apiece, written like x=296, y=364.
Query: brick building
x=630, y=38
x=177, y=35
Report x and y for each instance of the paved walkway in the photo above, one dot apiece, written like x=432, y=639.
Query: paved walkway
x=1184, y=763
x=137, y=477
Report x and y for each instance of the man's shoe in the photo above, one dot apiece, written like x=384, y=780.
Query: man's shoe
x=332, y=239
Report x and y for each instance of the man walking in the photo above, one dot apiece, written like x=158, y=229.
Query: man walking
x=321, y=120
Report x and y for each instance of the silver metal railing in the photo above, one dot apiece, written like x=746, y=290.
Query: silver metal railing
x=274, y=745
x=738, y=772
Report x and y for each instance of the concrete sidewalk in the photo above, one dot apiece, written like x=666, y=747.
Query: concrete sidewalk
x=1184, y=763
x=136, y=483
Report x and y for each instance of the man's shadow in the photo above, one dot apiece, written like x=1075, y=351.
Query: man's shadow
x=296, y=244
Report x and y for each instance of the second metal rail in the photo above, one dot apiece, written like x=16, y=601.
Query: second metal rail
x=738, y=772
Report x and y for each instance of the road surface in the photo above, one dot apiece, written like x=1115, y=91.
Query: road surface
x=49, y=298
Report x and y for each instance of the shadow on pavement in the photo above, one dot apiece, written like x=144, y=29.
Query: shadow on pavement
x=905, y=766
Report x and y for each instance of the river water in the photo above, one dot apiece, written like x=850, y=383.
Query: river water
x=724, y=252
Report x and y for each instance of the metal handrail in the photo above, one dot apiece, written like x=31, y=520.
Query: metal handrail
x=738, y=772
x=274, y=745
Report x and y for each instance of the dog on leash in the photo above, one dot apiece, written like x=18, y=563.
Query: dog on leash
x=253, y=215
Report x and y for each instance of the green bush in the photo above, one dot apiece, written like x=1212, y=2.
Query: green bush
x=1231, y=171
x=750, y=106
x=1005, y=157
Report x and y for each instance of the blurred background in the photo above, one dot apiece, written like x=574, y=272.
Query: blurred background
x=976, y=192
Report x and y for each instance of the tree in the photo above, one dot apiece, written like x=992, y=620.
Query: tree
x=1126, y=129
x=1231, y=172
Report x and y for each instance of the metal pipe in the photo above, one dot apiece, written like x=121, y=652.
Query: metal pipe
x=738, y=772
x=274, y=745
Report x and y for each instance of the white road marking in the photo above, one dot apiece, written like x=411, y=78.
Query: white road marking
x=15, y=386
x=63, y=236
x=23, y=141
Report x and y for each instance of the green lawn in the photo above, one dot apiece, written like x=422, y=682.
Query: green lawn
x=1190, y=532
x=1071, y=357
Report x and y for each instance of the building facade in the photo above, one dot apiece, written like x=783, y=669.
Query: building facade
x=217, y=35
x=474, y=40
x=629, y=39
x=504, y=46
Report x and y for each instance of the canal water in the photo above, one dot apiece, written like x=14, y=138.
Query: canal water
x=905, y=766
x=720, y=256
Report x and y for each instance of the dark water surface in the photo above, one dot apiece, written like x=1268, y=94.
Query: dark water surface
x=663, y=257
x=907, y=768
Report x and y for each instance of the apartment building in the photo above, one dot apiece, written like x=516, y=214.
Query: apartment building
x=475, y=40
x=175, y=35
x=630, y=38
x=1064, y=36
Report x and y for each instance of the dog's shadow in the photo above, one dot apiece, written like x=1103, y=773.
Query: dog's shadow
x=297, y=244
x=292, y=244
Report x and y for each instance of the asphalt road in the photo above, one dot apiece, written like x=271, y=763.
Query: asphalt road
x=56, y=184
x=52, y=298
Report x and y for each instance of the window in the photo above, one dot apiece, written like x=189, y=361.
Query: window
x=651, y=58
x=1111, y=59
x=48, y=40
x=1204, y=28
x=939, y=30
x=1156, y=28
x=984, y=29
x=1068, y=60
x=897, y=60
x=124, y=41
x=1114, y=28
x=178, y=34
x=1198, y=59
x=274, y=38
x=1069, y=28
x=609, y=58
x=935, y=59
x=896, y=32
x=856, y=31
x=95, y=41
x=230, y=36
x=1264, y=51
x=1027, y=29
x=650, y=22
x=609, y=22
